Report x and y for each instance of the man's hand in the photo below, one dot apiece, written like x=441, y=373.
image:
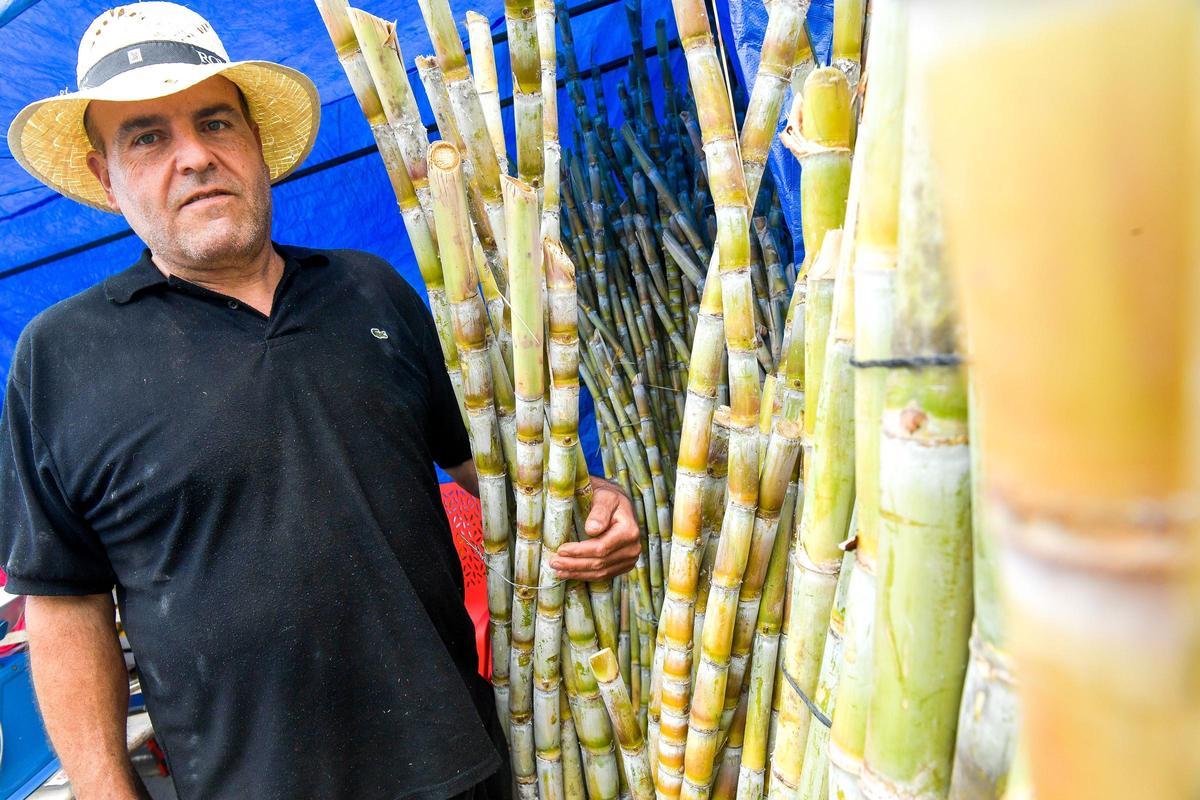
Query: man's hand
x=615, y=542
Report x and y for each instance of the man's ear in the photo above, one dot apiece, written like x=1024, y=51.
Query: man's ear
x=98, y=164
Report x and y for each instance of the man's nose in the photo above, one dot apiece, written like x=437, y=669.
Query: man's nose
x=192, y=153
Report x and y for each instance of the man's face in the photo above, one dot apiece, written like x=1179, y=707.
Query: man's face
x=187, y=172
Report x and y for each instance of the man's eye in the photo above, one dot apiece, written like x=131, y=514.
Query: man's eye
x=216, y=124
x=146, y=138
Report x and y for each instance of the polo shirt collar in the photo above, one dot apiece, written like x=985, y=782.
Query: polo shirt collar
x=125, y=286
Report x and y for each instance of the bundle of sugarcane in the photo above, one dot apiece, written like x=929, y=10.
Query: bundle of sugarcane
x=1087, y=383
x=714, y=362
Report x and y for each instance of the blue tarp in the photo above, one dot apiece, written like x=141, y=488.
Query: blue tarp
x=54, y=247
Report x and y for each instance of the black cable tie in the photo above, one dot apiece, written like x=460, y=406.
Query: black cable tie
x=911, y=362
x=812, y=707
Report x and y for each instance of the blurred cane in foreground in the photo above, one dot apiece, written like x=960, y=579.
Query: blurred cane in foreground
x=1071, y=181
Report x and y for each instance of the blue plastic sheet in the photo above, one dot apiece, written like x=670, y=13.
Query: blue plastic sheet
x=54, y=247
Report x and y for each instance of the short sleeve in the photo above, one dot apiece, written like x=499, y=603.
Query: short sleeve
x=47, y=548
x=447, y=435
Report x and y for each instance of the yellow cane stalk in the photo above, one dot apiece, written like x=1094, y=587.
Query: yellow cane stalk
x=727, y=182
x=483, y=72
x=1084, y=359
x=525, y=56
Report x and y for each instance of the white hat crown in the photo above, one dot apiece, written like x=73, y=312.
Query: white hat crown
x=119, y=32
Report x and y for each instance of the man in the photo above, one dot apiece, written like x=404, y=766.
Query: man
x=238, y=436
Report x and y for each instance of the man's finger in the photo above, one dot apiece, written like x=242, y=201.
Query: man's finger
x=592, y=548
x=604, y=503
x=621, y=559
x=593, y=570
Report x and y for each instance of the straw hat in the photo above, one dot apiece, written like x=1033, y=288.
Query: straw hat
x=145, y=51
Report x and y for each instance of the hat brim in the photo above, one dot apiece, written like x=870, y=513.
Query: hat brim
x=48, y=138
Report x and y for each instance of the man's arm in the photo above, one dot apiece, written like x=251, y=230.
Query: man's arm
x=83, y=691
x=465, y=476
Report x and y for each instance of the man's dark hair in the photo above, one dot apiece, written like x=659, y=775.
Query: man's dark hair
x=98, y=144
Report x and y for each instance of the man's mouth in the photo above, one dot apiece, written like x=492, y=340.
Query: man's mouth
x=199, y=196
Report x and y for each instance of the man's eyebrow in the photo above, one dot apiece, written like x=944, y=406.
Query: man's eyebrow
x=216, y=108
x=138, y=123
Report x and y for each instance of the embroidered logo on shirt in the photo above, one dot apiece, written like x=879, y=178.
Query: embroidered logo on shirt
x=379, y=333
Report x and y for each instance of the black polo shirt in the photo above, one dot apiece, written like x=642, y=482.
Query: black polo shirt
x=261, y=492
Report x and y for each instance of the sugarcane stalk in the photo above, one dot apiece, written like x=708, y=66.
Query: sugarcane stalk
x=732, y=208
x=626, y=644
x=712, y=510
x=814, y=772
x=524, y=54
x=665, y=194
x=762, y=548
x=498, y=313
x=730, y=596
x=377, y=38
x=848, y=19
x=675, y=625
x=1089, y=468
x=818, y=134
x=712, y=514
x=574, y=786
x=562, y=347
x=709, y=90
x=988, y=718
x=924, y=606
x=472, y=127
x=552, y=156
x=625, y=724
x=470, y=329
x=604, y=610
x=823, y=524
x=483, y=72
x=526, y=301
x=760, y=684
x=730, y=755
x=804, y=62
x=634, y=667
x=592, y=725
x=874, y=287
x=779, y=49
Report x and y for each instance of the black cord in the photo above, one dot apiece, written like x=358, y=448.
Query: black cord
x=812, y=707
x=912, y=362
